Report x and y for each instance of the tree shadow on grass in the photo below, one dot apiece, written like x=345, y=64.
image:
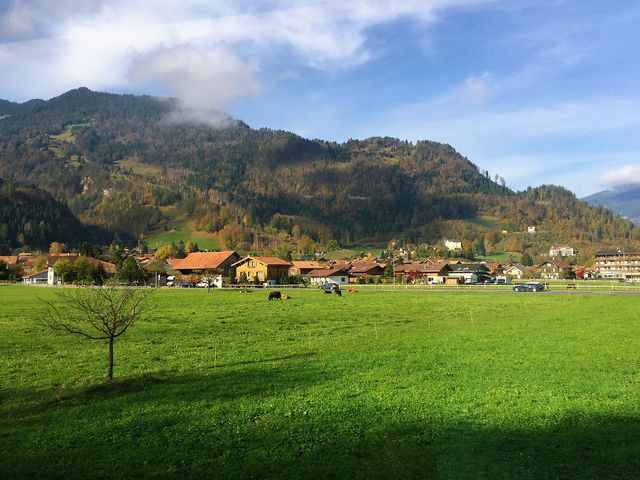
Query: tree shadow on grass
x=267, y=421
x=578, y=445
x=236, y=380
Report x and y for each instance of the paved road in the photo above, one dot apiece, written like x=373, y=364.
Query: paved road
x=559, y=291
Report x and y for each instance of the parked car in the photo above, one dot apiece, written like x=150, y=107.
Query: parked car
x=188, y=285
x=529, y=287
x=329, y=286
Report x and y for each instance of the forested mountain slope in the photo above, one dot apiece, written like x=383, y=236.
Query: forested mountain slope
x=121, y=162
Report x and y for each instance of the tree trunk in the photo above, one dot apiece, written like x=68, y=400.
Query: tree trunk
x=110, y=358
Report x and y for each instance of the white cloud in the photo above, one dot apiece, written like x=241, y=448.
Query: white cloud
x=205, y=80
x=621, y=176
x=99, y=43
x=477, y=89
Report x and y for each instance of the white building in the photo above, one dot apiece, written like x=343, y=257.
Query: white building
x=453, y=244
x=323, y=276
x=561, y=252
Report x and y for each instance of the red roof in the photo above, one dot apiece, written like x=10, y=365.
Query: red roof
x=201, y=260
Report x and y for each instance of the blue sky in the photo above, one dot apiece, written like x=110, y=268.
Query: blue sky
x=536, y=92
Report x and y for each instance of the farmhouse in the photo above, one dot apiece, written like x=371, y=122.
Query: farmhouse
x=515, y=271
x=437, y=272
x=37, y=278
x=366, y=270
x=469, y=272
x=554, y=269
x=322, y=276
x=198, y=262
x=303, y=268
x=264, y=269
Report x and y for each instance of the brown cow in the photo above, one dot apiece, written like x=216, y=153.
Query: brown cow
x=352, y=290
x=275, y=294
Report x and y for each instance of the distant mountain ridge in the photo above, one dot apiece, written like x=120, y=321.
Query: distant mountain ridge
x=623, y=200
x=120, y=163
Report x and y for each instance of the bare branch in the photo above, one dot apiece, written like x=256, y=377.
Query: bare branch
x=99, y=313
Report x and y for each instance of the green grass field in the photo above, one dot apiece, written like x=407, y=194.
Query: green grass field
x=160, y=238
x=367, y=385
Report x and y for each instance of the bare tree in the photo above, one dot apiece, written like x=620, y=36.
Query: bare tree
x=99, y=313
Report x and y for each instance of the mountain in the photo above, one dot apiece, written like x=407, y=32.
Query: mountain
x=623, y=200
x=128, y=165
x=30, y=217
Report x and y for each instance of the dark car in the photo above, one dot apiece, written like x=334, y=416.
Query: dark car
x=188, y=285
x=529, y=287
x=329, y=286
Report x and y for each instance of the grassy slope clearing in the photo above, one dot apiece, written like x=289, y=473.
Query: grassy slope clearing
x=185, y=232
x=370, y=385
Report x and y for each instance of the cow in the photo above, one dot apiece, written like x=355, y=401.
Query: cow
x=338, y=292
x=285, y=297
x=327, y=291
x=352, y=290
x=275, y=294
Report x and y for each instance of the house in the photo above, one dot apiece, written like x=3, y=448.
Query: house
x=561, y=252
x=54, y=279
x=344, y=264
x=437, y=272
x=624, y=264
x=37, y=278
x=494, y=268
x=515, y=271
x=418, y=272
x=198, y=262
x=328, y=275
x=554, y=269
x=531, y=229
x=302, y=268
x=366, y=270
x=453, y=244
x=469, y=272
x=264, y=269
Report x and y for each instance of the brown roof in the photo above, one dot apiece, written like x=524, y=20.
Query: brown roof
x=413, y=267
x=201, y=260
x=306, y=264
x=274, y=261
x=365, y=267
x=340, y=263
x=557, y=264
x=173, y=262
x=327, y=272
x=9, y=259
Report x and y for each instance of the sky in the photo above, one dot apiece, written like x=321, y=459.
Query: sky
x=537, y=92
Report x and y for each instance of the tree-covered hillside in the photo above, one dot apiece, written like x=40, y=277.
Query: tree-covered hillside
x=31, y=218
x=126, y=164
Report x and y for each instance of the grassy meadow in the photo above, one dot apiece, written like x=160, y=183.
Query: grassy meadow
x=368, y=385
x=159, y=238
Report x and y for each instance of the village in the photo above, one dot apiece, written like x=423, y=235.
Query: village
x=218, y=269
